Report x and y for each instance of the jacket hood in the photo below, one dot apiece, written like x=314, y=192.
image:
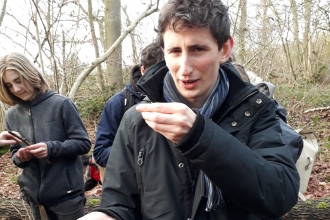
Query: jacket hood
x=39, y=98
x=151, y=83
x=135, y=75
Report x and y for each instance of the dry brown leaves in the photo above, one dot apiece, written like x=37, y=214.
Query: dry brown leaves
x=8, y=176
x=319, y=185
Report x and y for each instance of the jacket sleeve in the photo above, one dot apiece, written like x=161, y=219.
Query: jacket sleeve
x=76, y=141
x=13, y=150
x=107, y=129
x=259, y=175
x=120, y=193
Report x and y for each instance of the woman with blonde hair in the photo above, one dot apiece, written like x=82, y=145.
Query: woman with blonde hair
x=52, y=178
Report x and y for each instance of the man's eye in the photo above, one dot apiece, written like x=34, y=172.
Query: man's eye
x=199, y=49
x=175, y=51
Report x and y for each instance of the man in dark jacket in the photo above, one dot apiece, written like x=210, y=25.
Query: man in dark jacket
x=113, y=110
x=209, y=145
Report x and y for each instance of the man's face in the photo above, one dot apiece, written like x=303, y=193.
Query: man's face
x=193, y=58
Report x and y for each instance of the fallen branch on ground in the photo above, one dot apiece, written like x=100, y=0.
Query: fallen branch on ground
x=317, y=109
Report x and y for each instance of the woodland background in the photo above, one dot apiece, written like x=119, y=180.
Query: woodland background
x=85, y=49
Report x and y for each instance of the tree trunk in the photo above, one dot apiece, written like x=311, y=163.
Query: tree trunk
x=135, y=57
x=35, y=21
x=242, y=31
x=62, y=90
x=82, y=76
x=307, y=38
x=285, y=46
x=112, y=20
x=265, y=24
x=295, y=19
x=95, y=45
x=16, y=209
x=310, y=210
x=3, y=11
x=324, y=69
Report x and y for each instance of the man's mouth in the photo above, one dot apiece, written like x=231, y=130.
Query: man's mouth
x=188, y=82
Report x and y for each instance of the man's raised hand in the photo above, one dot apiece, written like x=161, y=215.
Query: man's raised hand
x=172, y=120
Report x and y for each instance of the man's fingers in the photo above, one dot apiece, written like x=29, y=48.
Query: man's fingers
x=158, y=117
x=165, y=108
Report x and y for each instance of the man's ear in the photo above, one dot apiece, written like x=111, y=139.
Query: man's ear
x=226, y=49
x=142, y=70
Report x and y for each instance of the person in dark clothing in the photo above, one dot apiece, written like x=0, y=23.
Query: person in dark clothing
x=113, y=110
x=206, y=145
x=52, y=178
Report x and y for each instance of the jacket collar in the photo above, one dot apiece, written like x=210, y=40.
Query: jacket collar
x=39, y=98
x=151, y=83
x=135, y=75
x=238, y=90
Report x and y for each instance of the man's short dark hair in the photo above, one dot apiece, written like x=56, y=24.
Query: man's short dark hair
x=212, y=14
x=151, y=55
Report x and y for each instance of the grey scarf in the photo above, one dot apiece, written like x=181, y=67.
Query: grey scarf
x=211, y=105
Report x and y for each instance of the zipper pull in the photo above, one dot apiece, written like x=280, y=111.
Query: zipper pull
x=140, y=158
x=30, y=111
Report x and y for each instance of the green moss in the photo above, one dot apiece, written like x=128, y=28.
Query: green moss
x=322, y=205
x=93, y=202
x=308, y=202
x=4, y=149
x=14, y=178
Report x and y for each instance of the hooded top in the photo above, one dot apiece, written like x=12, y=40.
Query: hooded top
x=54, y=120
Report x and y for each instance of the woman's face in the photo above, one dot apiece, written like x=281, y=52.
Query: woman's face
x=12, y=81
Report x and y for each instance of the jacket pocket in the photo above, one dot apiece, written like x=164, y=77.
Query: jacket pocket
x=69, y=181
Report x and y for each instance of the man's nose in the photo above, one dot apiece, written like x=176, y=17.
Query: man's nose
x=185, y=64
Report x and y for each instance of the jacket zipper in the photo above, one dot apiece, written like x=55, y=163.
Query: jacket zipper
x=236, y=105
x=33, y=142
x=140, y=161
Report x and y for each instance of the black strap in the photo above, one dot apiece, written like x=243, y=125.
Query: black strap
x=128, y=100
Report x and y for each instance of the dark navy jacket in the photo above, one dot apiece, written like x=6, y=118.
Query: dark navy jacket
x=109, y=122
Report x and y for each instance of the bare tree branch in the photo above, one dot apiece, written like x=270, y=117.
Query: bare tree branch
x=84, y=74
x=3, y=11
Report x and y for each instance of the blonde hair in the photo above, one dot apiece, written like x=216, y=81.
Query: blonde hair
x=27, y=71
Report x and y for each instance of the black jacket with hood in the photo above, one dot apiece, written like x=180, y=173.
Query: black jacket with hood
x=240, y=150
x=54, y=120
